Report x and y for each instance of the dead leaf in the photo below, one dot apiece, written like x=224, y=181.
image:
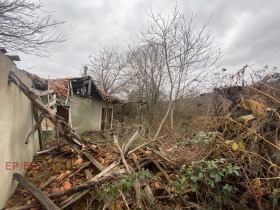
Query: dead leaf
x=63, y=175
x=55, y=190
x=258, y=108
x=157, y=186
x=118, y=205
x=79, y=161
x=66, y=185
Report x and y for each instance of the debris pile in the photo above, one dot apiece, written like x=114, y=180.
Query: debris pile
x=233, y=164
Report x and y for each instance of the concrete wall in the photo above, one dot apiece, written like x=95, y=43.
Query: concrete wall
x=86, y=114
x=16, y=121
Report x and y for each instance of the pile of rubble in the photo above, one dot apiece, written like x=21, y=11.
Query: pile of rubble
x=233, y=165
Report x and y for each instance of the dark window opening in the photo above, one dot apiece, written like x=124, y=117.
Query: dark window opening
x=85, y=88
x=63, y=111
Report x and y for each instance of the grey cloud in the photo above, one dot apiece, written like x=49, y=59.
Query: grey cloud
x=246, y=30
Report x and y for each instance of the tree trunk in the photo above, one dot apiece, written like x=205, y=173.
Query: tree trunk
x=172, y=116
x=164, y=119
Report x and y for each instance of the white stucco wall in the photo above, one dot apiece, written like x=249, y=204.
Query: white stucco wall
x=86, y=114
x=16, y=121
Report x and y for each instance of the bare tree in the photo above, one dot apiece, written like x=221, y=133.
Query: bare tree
x=26, y=27
x=189, y=53
x=147, y=75
x=107, y=68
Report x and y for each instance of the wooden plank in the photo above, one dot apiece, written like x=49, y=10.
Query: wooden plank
x=52, y=178
x=74, y=198
x=40, y=132
x=40, y=92
x=34, y=129
x=39, y=195
x=51, y=103
x=94, y=161
x=121, y=154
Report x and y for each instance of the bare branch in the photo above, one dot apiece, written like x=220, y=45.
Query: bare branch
x=26, y=27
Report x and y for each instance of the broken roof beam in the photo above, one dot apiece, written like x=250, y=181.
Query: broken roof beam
x=41, y=93
x=14, y=57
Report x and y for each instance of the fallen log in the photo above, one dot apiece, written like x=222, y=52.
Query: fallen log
x=39, y=195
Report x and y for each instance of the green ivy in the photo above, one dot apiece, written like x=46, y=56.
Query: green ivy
x=110, y=190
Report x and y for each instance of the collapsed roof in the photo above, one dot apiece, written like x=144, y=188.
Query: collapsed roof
x=80, y=86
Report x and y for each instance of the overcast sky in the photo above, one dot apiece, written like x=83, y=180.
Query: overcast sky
x=247, y=31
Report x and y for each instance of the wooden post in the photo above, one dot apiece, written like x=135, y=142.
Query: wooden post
x=40, y=132
x=35, y=127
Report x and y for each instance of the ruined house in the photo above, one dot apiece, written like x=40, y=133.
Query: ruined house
x=79, y=101
x=76, y=100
